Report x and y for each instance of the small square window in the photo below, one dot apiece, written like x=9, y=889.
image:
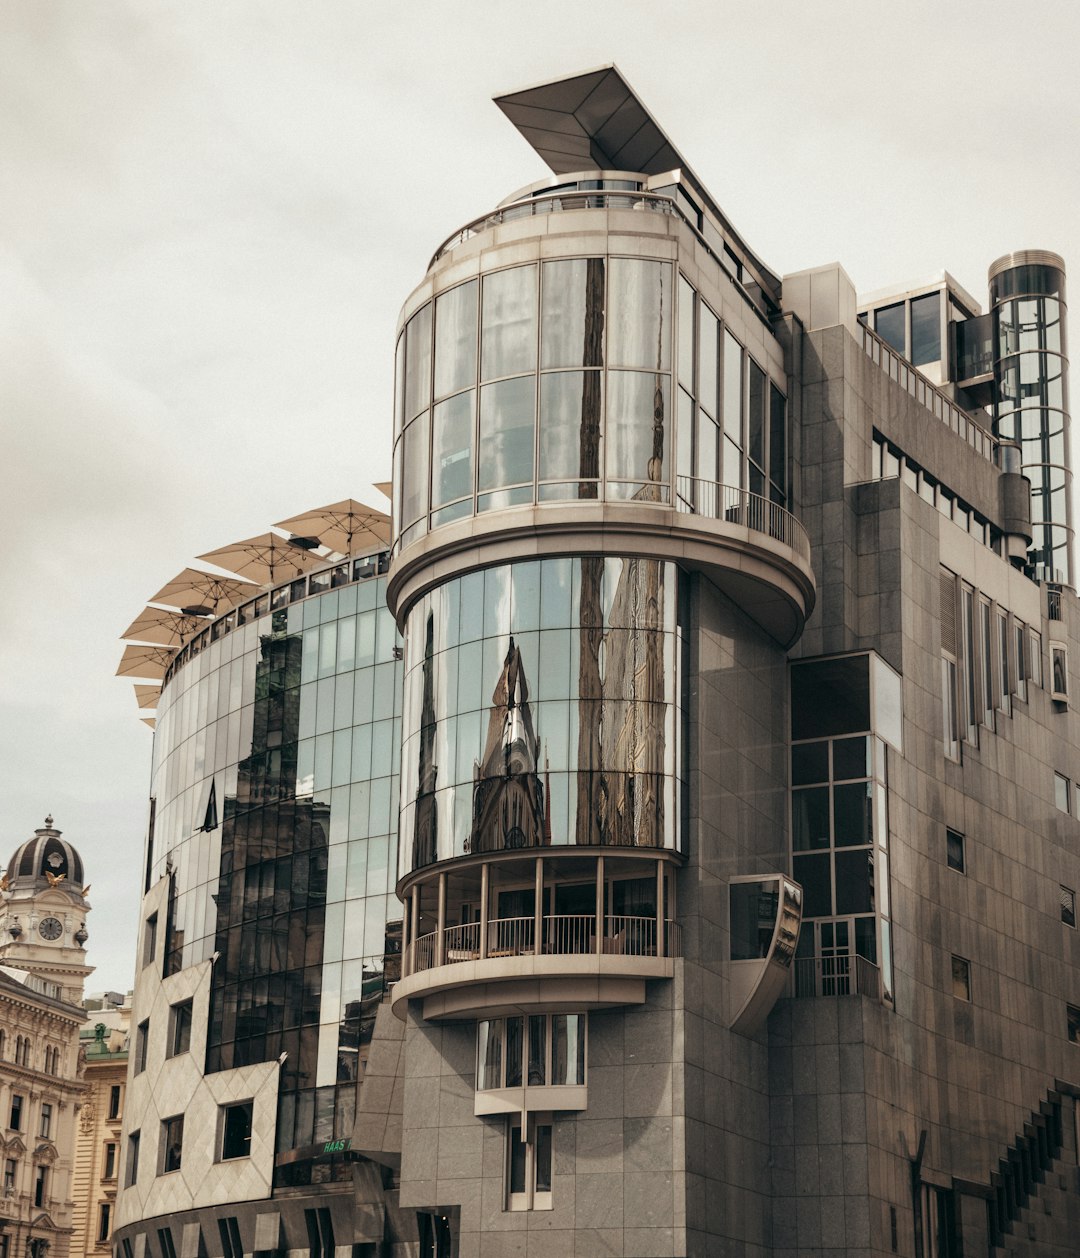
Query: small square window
x=1062, y=794
x=180, y=1036
x=1072, y=1015
x=1068, y=906
x=172, y=1143
x=954, y=851
x=236, y=1130
x=961, y=978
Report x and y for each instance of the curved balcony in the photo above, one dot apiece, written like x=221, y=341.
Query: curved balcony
x=544, y=960
x=754, y=550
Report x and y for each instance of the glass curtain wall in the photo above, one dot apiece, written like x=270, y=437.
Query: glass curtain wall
x=276, y=783
x=543, y=706
x=1032, y=404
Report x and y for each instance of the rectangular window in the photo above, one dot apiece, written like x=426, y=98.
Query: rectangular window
x=320, y=1229
x=45, y=1126
x=114, y=1101
x=41, y=1181
x=104, y=1222
x=150, y=939
x=165, y=1240
x=1036, y=659
x=9, y=1173
x=1020, y=648
x=1059, y=672
x=236, y=1130
x=172, y=1143
x=16, y=1112
x=967, y=645
x=986, y=661
x=949, y=654
x=1062, y=793
x=180, y=1036
x=1068, y=906
x=110, y=1161
x=1072, y=1015
x=142, y=1034
x=231, y=1245
x=528, y=1168
x=955, y=856
x=961, y=978
x=1004, y=669
x=131, y=1171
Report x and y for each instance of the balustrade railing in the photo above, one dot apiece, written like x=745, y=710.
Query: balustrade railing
x=739, y=506
x=565, y=934
x=846, y=975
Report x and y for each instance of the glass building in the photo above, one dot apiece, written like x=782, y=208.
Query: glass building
x=658, y=836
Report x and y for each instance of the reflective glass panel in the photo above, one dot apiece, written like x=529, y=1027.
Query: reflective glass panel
x=414, y=457
x=455, y=339
x=926, y=329
x=638, y=429
x=418, y=363
x=508, y=336
x=733, y=425
x=571, y=403
x=709, y=361
x=572, y=314
x=451, y=454
x=639, y=313
x=507, y=422
x=889, y=325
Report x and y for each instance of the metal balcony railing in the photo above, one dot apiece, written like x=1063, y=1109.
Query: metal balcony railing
x=837, y=976
x=565, y=934
x=740, y=506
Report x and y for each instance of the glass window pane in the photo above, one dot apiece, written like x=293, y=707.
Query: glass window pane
x=812, y=874
x=889, y=325
x=755, y=430
x=707, y=452
x=571, y=403
x=513, y=1052
x=926, y=329
x=543, y=1158
x=853, y=814
x=455, y=339
x=708, y=361
x=810, y=818
x=414, y=446
x=686, y=334
x=809, y=763
x=572, y=313
x=537, y=1051
x=452, y=433
x=508, y=338
x=732, y=391
x=639, y=313
x=507, y=413
x=777, y=440
x=418, y=363
x=852, y=758
x=637, y=426
x=855, y=882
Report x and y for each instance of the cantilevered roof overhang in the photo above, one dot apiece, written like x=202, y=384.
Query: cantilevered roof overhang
x=590, y=120
x=596, y=120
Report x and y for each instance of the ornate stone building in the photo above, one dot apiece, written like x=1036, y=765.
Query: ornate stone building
x=43, y=908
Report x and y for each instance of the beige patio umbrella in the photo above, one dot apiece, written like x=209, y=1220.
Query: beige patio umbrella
x=168, y=628
x=202, y=592
x=384, y=487
x=149, y=720
x=147, y=696
x=264, y=559
x=347, y=527
x=145, y=661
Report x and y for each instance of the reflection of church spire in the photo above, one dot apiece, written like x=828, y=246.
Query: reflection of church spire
x=508, y=798
x=426, y=833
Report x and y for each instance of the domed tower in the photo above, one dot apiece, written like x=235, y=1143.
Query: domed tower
x=43, y=907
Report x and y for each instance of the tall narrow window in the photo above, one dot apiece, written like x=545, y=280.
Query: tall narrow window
x=172, y=1143
x=1062, y=793
x=114, y=1101
x=165, y=1240
x=104, y=1222
x=955, y=855
x=1068, y=906
x=949, y=652
x=229, y=1230
x=528, y=1167
x=236, y=1130
x=1072, y=1022
x=961, y=978
x=109, y=1171
x=986, y=661
x=131, y=1169
x=320, y=1229
x=1020, y=650
x=968, y=674
x=41, y=1183
x=1004, y=640
x=16, y=1112
x=180, y=1038
x=150, y=938
x=45, y=1127
x=142, y=1035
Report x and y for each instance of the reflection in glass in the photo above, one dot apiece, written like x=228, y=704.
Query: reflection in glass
x=570, y=409
x=568, y=1049
x=451, y=452
x=418, y=363
x=414, y=470
x=572, y=315
x=507, y=417
x=637, y=432
x=889, y=325
x=926, y=329
x=508, y=336
x=639, y=313
x=455, y=339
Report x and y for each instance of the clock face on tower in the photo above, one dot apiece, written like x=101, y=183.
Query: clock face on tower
x=50, y=928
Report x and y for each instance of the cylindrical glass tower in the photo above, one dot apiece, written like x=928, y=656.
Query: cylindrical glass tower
x=1027, y=296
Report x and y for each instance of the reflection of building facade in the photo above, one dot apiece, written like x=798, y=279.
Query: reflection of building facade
x=269, y=876
x=43, y=908
x=736, y=913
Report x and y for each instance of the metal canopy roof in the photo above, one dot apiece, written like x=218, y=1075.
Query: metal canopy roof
x=591, y=120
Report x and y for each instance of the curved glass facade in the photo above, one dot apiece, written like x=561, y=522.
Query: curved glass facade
x=543, y=706
x=535, y=383
x=275, y=787
x=1032, y=406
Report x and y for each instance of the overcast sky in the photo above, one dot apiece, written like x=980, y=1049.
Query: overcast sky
x=212, y=210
